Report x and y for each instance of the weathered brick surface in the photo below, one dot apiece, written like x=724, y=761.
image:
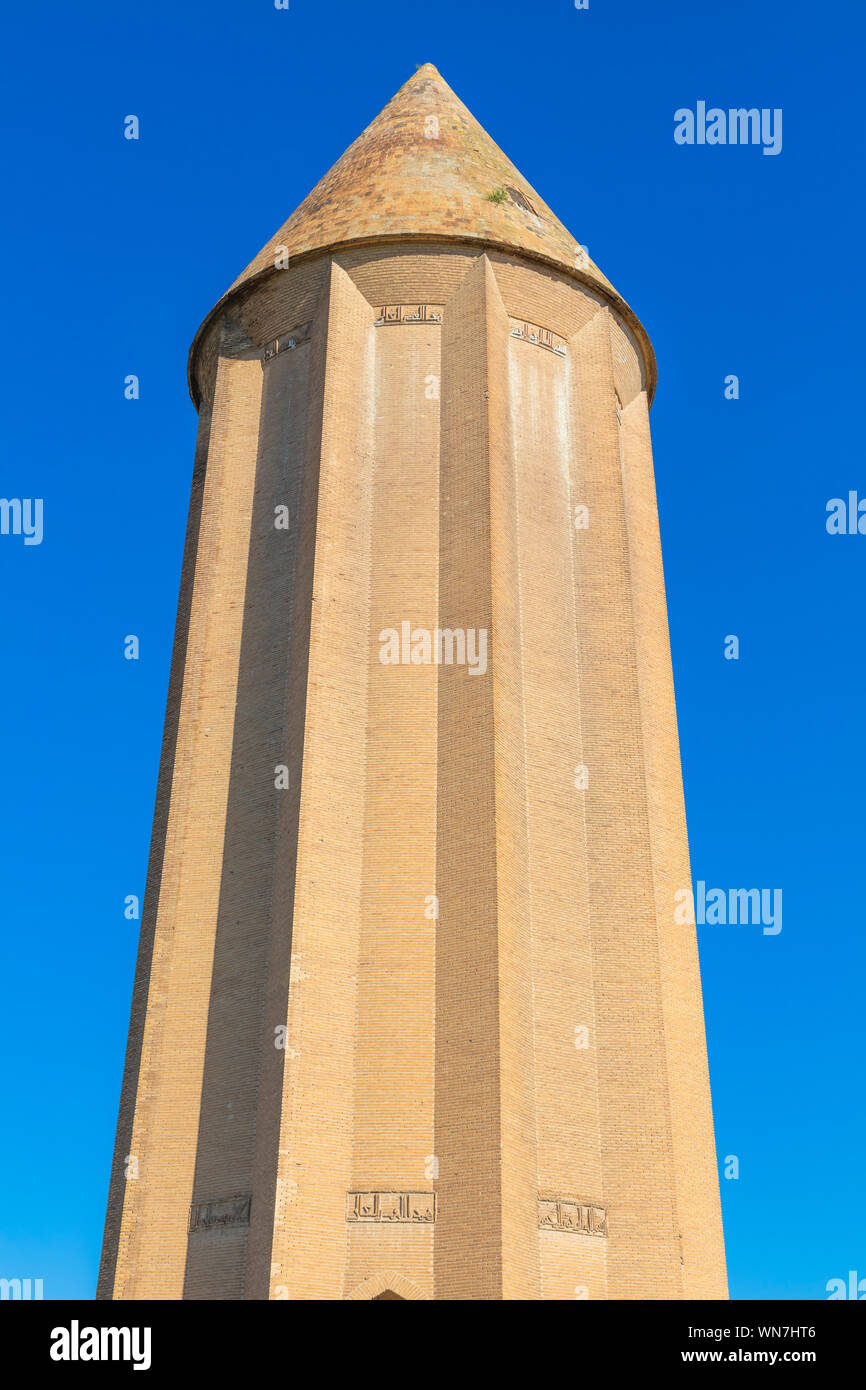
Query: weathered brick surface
x=168, y=1085
x=423, y=166
x=431, y=472
x=468, y=1095
x=691, y=1128
x=424, y=170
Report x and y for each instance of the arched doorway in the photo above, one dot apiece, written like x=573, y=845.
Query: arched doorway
x=387, y=1285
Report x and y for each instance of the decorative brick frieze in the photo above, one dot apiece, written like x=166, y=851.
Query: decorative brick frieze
x=569, y=1214
x=287, y=342
x=539, y=337
x=408, y=313
x=391, y=1206
x=225, y=1211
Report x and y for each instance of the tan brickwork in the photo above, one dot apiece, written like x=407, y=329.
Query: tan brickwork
x=554, y=868
x=126, y=1116
x=693, y=1148
x=418, y=1024
x=158, y=1192
x=468, y=1101
x=315, y=1166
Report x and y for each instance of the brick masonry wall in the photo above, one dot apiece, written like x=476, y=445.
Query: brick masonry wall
x=153, y=1233
x=422, y=1055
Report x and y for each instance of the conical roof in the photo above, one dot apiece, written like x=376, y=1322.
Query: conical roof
x=425, y=168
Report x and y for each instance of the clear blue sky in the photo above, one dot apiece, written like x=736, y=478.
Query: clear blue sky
x=737, y=262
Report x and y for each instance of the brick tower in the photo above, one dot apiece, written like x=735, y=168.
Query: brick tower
x=413, y=1017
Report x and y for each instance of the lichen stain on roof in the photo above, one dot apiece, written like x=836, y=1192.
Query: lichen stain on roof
x=425, y=168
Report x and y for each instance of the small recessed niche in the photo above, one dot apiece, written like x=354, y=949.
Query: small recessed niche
x=520, y=199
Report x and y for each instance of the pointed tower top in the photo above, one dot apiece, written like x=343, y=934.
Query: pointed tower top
x=425, y=169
